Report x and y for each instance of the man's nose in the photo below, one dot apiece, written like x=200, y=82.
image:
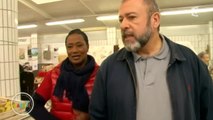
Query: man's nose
x=124, y=24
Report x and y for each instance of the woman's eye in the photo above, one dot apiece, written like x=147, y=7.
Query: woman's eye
x=80, y=45
x=69, y=46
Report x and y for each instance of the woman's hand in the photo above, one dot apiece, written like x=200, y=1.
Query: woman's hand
x=81, y=115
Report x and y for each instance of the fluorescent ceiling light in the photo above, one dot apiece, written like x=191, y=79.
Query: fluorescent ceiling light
x=65, y=22
x=187, y=11
x=26, y=26
x=193, y=11
x=109, y=17
x=44, y=1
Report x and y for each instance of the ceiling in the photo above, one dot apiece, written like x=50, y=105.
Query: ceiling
x=32, y=13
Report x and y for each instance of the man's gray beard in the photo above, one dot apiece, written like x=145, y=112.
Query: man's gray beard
x=140, y=42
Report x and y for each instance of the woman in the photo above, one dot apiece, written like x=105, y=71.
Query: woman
x=69, y=84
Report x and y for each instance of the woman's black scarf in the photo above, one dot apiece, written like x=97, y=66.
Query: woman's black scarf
x=72, y=81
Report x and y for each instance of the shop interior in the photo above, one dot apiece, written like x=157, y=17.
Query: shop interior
x=43, y=25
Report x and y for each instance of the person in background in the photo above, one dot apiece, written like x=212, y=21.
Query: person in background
x=204, y=56
x=26, y=80
x=21, y=68
x=152, y=78
x=69, y=84
x=27, y=67
x=41, y=74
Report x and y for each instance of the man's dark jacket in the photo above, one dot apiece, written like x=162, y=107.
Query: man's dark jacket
x=190, y=87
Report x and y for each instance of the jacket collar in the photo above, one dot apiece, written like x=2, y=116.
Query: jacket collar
x=175, y=50
x=176, y=54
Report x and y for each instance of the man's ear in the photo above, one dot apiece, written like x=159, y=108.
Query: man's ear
x=155, y=20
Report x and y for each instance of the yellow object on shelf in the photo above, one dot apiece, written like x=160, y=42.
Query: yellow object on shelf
x=7, y=105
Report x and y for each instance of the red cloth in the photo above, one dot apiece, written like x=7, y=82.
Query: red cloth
x=42, y=73
x=61, y=109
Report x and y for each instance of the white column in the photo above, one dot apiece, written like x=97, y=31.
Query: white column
x=119, y=38
x=111, y=36
x=9, y=67
x=211, y=40
x=34, y=46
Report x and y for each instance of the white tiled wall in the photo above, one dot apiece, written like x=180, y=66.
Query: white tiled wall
x=111, y=36
x=198, y=42
x=196, y=35
x=193, y=36
x=9, y=69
